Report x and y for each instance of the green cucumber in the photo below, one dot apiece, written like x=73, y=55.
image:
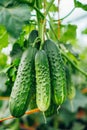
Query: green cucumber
x=32, y=37
x=43, y=88
x=57, y=72
x=24, y=83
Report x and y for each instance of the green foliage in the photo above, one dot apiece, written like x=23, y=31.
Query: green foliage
x=80, y=5
x=84, y=31
x=3, y=37
x=53, y=8
x=14, y=15
x=68, y=33
x=17, y=20
x=3, y=60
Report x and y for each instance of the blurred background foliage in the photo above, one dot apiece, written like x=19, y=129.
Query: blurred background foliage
x=16, y=22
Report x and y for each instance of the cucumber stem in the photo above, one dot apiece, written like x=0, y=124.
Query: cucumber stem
x=45, y=120
x=35, y=41
x=58, y=109
x=42, y=21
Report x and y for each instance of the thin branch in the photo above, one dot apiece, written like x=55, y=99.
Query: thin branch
x=4, y=98
x=52, y=27
x=27, y=113
x=59, y=22
x=66, y=15
x=37, y=10
x=44, y=19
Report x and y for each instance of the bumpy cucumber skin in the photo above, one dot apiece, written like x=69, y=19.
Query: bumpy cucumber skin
x=43, y=88
x=71, y=92
x=57, y=72
x=21, y=90
x=32, y=103
x=32, y=36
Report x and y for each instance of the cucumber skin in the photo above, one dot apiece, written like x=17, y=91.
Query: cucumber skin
x=43, y=87
x=51, y=110
x=21, y=90
x=57, y=72
x=71, y=92
x=32, y=36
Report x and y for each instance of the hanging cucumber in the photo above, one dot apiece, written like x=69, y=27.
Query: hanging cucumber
x=32, y=102
x=71, y=92
x=57, y=72
x=51, y=110
x=21, y=90
x=70, y=87
x=43, y=88
x=32, y=37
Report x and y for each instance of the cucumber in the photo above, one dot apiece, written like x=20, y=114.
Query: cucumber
x=70, y=87
x=43, y=87
x=32, y=36
x=57, y=72
x=51, y=110
x=32, y=103
x=71, y=92
x=23, y=84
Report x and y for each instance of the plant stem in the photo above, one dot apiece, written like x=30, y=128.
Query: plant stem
x=52, y=27
x=66, y=15
x=38, y=11
x=4, y=98
x=59, y=22
x=27, y=113
x=40, y=22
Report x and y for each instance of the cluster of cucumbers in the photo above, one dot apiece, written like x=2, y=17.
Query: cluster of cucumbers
x=40, y=80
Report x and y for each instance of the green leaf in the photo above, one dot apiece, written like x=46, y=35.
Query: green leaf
x=3, y=37
x=53, y=8
x=68, y=33
x=80, y=5
x=84, y=31
x=3, y=60
x=14, y=17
